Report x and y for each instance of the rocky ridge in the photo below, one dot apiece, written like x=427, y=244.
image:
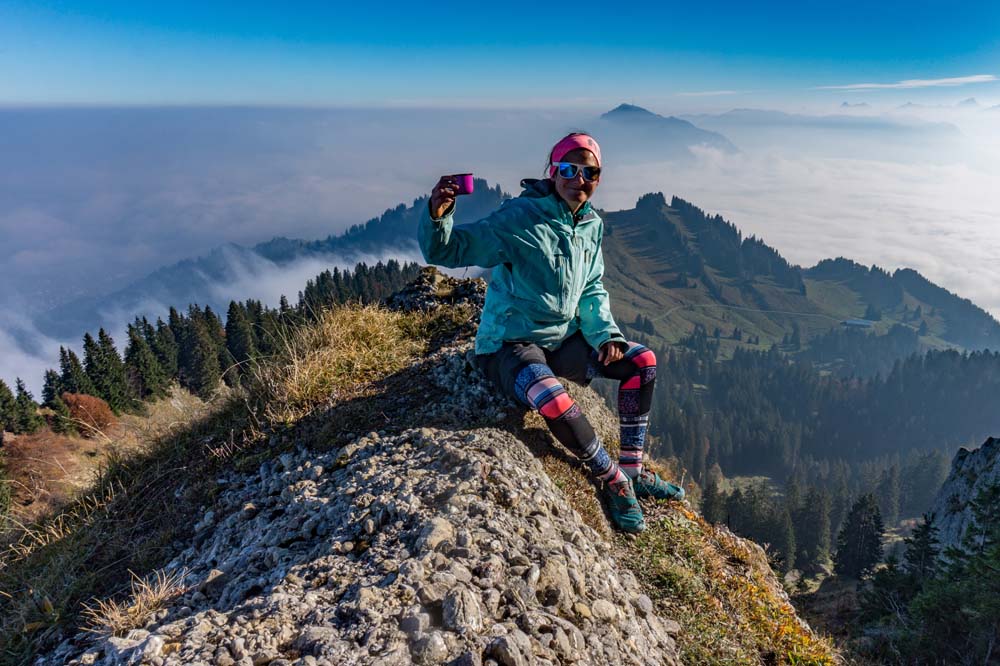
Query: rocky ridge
x=970, y=472
x=429, y=546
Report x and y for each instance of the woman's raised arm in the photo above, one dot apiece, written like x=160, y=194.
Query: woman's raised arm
x=446, y=244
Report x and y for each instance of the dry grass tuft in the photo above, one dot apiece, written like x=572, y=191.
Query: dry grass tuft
x=347, y=348
x=148, y=595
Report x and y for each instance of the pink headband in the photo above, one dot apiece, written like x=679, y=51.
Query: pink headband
x=584, y=141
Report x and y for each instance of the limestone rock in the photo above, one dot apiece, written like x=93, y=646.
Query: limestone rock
x=970, y=472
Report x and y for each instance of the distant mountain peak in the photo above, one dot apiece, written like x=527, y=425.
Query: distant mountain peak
x=630, y=110
x=969, y=102
x=631, y=125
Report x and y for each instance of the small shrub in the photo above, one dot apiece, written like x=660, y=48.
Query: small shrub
x=92, y=414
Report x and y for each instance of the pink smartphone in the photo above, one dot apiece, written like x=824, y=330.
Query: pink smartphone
x=464, y=181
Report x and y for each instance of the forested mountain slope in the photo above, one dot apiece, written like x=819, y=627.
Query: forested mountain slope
x=678, y=266
x=671, y=264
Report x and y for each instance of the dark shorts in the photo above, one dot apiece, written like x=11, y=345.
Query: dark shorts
x=574, y=359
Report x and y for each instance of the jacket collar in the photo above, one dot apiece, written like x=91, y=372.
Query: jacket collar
x=543, y=193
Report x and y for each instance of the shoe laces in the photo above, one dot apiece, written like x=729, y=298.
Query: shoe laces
x=621, y=489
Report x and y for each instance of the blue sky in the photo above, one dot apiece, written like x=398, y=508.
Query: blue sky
x=547, y=54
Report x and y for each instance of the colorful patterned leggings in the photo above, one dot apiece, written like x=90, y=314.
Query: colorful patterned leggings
x=527, y=373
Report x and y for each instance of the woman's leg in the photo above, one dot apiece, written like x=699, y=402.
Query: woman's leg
x=522, y=372
x=538, y=387
x=637, y=375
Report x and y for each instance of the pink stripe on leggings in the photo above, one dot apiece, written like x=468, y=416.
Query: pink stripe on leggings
x=644, y=359
x=557, y=406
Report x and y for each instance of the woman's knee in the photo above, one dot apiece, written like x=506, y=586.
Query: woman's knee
x=640, y=355
x=643, y=362
x=537, y=387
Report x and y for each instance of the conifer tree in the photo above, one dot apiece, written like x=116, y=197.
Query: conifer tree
x=270, y=331
x=145, y=376
x=196, y=341
x=859, y=544
x=786, y=540
x=164, y=345
x=889, y=490
x=7, y=404
x=921, y=559
x=74, y=377
x=119, y=397
x=214, y=327
x=200, y=359
x=228, y=367
x=888, y=594
x=177, y=324
x=239, y=338
x=713, y=504
x=62, y=422
x=793, y=495
x=52, y=388
x=26, y=417
x=736, y=511
x=186, y=339
x=147, y=330
x=840, y=501
x=813, y=527
x=93, y=365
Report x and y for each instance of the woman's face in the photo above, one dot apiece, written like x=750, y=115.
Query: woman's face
x=576, y=191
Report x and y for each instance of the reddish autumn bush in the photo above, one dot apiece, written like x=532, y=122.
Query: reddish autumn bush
x=91, y=414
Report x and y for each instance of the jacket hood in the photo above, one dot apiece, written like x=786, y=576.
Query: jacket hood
x=542, y=192
x=537, y=187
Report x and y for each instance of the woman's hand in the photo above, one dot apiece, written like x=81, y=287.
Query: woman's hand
x=443, y=195
x=611, y=351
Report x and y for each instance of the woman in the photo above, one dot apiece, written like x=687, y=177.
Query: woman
x=547, y=314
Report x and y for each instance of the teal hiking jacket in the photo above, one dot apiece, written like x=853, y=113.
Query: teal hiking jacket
x=547, y=268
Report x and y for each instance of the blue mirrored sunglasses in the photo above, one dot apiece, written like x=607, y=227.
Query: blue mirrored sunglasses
x=568, y=170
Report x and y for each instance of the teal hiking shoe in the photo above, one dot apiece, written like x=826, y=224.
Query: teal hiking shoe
x=649, y=484
x=624, y=507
